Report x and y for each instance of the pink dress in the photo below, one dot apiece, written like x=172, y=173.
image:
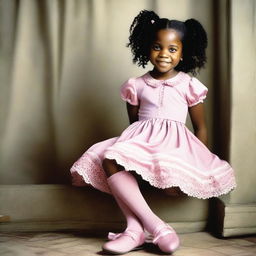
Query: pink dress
x=159, y=146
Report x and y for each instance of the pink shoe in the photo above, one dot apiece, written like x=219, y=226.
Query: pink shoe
x=166, y=238
x=124, y=242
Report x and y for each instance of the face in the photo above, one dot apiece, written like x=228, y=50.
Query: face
x=165, y=53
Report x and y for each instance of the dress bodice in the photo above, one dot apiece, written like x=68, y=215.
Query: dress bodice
x=165, y=99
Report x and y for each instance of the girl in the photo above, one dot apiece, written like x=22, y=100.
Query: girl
x=157, y=145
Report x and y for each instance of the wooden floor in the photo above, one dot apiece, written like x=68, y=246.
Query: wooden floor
x=78, y=244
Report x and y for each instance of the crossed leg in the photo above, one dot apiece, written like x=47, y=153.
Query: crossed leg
x=124, y=186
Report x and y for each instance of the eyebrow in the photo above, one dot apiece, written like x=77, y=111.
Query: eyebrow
x=172, y=45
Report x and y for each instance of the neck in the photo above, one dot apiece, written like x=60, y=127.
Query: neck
x=163, y=76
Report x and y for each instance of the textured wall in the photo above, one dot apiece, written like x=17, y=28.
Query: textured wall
x=60, y=90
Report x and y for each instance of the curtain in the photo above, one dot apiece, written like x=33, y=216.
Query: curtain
x=61, y=66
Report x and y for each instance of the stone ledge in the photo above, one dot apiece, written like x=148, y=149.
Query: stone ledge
x=63, y=207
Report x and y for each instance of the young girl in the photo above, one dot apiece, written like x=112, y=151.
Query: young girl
x=157, y=145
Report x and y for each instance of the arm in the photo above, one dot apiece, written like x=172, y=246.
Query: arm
x=198, y=121
x=132, y=112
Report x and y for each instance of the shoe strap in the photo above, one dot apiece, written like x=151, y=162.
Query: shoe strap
x=113, y=236
x=162, y=230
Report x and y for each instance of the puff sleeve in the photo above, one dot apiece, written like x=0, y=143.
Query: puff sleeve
x=196, y=92
x=129, y=92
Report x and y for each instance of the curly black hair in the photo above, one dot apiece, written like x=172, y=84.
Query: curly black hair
x=193, y=37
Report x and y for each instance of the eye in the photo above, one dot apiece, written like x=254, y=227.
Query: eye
x=156, y=47
x=172, y=50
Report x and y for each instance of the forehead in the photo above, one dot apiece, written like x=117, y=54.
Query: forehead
x=168, y=35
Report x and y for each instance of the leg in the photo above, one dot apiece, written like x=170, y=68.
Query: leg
x=131, y=239
x=132, y=221
x=133, y=235
x=111, y=167
x=124, y=186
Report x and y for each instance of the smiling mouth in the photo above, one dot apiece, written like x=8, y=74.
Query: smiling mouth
x=163, y=63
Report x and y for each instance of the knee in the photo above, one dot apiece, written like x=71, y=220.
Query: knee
x=106, y=163
x=110, y=166
x=173, y=191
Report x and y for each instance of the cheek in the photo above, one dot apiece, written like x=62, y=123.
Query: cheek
x=152, y=54
x=178, y=55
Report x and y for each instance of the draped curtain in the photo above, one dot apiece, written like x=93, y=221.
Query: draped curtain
x=61, y=66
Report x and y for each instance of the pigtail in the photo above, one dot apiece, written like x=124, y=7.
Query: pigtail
x=194, y=46
x=193, y=36
x=140, y=35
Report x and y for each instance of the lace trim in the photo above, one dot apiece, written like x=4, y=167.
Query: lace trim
x=188, y=185
x=90, y=169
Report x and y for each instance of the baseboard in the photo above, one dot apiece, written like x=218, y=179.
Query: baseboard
x=240, y=219
x=98, y=228
x=232, y=219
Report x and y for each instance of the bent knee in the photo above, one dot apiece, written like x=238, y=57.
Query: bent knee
x=108, y=163
x=173, y=191
x=110, y=166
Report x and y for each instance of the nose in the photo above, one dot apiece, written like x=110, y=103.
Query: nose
x=164, y=53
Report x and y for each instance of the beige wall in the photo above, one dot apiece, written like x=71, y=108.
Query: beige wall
x=243, y=116
x=61, y=92
x=235, y=214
